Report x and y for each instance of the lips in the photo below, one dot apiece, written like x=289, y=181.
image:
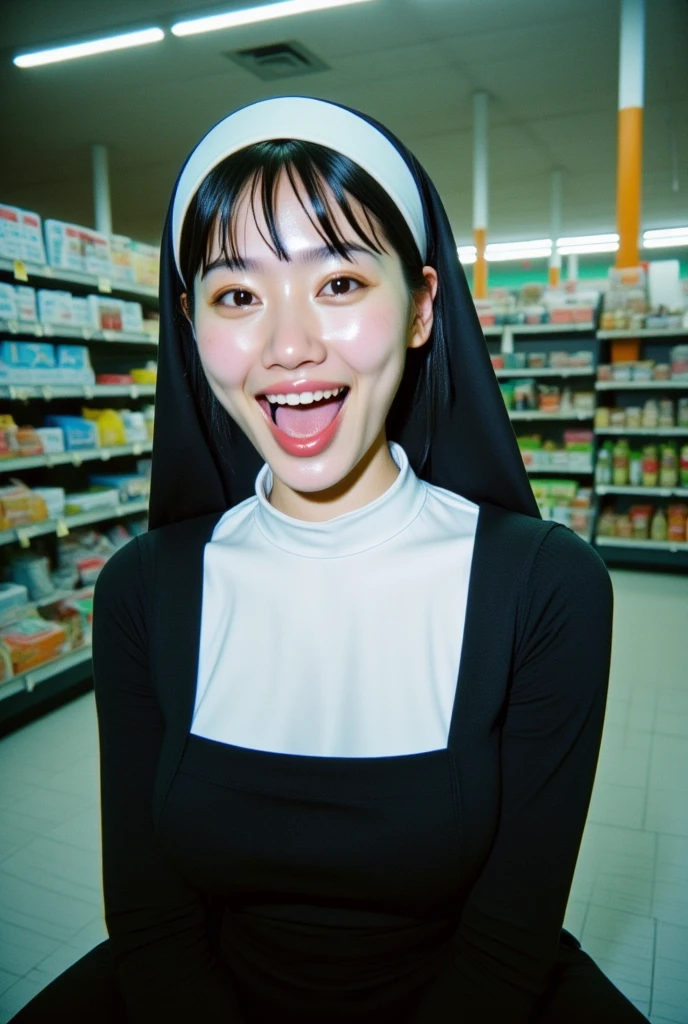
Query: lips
x=304, y=429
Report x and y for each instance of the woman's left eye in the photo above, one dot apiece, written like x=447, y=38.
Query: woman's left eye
x=237, y=298
x=341, y=286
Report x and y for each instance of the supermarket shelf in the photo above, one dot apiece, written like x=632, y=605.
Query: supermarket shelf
x=75, y=333
x=74, y=457
x=104, y=285
x=550, y=328
x=29, y=680
x=659, y=332
x=642, y=431
x=23, y=534
x=648, y=492
x=546, y=372
x=641, y=545
x=559, y=471
x=640, y=385
x=557, y=416
x=493, y=332
x=20, y=392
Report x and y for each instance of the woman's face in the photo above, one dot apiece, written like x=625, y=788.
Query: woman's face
x=301, y=327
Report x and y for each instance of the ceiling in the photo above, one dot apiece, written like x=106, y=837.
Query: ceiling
x=551, y=69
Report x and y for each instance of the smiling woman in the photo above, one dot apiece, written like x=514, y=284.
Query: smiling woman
x=350, y=687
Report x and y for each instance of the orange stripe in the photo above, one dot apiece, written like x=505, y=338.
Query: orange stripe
x=554, y=277
x=629, y=185
x=480, y=265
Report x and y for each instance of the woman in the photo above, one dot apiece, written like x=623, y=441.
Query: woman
x=350, y=687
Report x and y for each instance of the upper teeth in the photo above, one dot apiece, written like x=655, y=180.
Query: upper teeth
x=304, y=397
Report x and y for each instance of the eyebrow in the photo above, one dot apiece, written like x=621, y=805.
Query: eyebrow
x=313, y=255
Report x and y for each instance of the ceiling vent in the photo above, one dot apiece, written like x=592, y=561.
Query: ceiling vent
x=281, y=60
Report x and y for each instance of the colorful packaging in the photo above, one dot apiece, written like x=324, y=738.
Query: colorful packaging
x=132, y=317
x=8, y=302
x=19, y=506
x=132, y=487
x=11, y=233
x=79, y=433
x=110, y=426
x=146, y=264
x=33, y=250
x=121, y=259
x=54, y=307
x=52, y=439
x=26, y=303
x=33, y=641
x=72, y=247
x=82, y=315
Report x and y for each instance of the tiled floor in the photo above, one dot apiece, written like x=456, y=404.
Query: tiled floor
x=629, y=900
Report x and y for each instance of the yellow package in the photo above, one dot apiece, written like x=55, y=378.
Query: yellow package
x=110, y=426
x=146, y=375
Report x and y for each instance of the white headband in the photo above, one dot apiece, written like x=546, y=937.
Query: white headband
x=307, y=120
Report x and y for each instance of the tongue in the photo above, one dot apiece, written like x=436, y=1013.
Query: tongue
x=306, y=420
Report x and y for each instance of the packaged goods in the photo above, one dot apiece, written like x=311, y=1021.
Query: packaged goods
x=668, y=466
x=54, y=307
x=640, y=521
x=119, y=379
x=617, y=417
x=28, y=442
x=30, y=354
x=132, y=317
x=621, y=463
x=33, y=641
x=52, y=439
x=8, y=302
x=679, y=362
x=677, y=516
x=666, y=413
x=12, y=595
x=33, y=572
x=72, y=247
x=634, y=417
x=606, y=524
x=635, y=474
x=683, y=470
x=146, y=263
x=659, y=526
x=650, y=414
x=662, y=371
x=603, y=469
x=602, y=417
x=82, y=316
x=149, y=374
x=135, y=426
x=131, y=486
x=74, y=613
x=90, y=501
x=624, y=527
x=74, y=365
x=121, y=259
x=78, y=433
x=149, y=416
x=33, y=250
x=650, y=466
x=27, y=310
x=20, y=506
x=11, y=233
x=111, y=430
x=54, y=498
x=6, y=668
x=106, y=313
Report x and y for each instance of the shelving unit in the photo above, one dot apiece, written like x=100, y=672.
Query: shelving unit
x=110, y=350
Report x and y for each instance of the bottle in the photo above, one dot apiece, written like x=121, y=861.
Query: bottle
x=684, y=466
x=603, y=468
x=621, y=463
x=658, y=526
x=650, y=466
x=668, y=471
x=636, y=469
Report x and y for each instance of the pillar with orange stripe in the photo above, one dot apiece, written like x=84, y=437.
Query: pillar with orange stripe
x=555, y=230
x=630, y=131
x=480, y=193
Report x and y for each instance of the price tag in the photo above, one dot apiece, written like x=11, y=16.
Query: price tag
x=134, y=391
x=20, y=271
x=20, y=394
x=24, y=539
x=47, y=392
x=38, y=330
x=76, y=459
x=104, y=285
x=29, y=683
x=62, y=530
x=105, y=455
x=47, y=272
x=88, y=391
x=138, y=449
x=86, y=333
x=13, y=326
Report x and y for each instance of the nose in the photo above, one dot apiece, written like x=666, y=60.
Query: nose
x=293, y=339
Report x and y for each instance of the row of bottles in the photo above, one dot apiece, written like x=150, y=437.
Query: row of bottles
x=655, y=466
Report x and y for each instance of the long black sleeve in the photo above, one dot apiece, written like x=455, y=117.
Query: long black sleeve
x=507, y=939
x=157, y=923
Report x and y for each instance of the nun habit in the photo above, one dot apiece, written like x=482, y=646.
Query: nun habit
x=246, y=883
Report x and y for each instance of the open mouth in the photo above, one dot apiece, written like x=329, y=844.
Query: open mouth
x=305, y=419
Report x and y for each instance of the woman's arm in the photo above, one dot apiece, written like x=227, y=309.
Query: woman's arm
x=507, y=939
x=156, y=922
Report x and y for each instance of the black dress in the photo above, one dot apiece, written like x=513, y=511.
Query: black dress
x=430, y=888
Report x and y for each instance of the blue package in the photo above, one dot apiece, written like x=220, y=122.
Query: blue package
x=79, y=433
x=73, y=357
x=32, y=354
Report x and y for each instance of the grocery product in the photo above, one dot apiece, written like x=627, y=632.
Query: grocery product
x=52, y=439
x=79, y=433
x=131, y=486
x=89, y=501
x=621, y=463
x=650, y=466
x=640, y=521
x=33, y=572
x=683, y=470
x=659, y=526
x=668, y=467
x=603, y=469
x=32, y=641
x=71, y=247
x=54, y=498
x=110, y=426
x=677, y=517
x=12, y=595
x=19, y=506
x=26, y=303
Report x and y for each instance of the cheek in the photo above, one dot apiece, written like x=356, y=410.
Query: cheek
x=368, y=336
x=226, y=351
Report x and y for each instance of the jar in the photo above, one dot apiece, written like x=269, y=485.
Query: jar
x=623, y=526
x=634, y=416
x=677, y=516
x=650, y=466
x=602, y=419
x=658, y=526
x=635, y=475
x=650, y=414
x=617, y=417
x=621, y=462
x=682, y=418
x=668, y=467
x=666, y=413
x=683, y=469
x=603, y=468
x=640, y=521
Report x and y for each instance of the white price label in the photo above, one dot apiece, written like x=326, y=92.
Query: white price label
x=62, y=530
x=88, y=391
x=138, y=449
x=134, y=391
x=29, y=683
x=47, y=392
x=76, y=459
x=106, y=455
x=24, y=539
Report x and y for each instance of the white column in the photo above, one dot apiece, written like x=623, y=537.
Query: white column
x=101, y=190
x=555, y=230
x=480, y=191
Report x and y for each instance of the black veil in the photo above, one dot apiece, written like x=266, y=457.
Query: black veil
x=473, y=449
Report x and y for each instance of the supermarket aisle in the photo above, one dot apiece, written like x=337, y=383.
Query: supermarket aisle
x=629, y=901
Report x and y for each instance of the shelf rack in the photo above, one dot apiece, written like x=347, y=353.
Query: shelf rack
x=641, y=385
x=73, y=669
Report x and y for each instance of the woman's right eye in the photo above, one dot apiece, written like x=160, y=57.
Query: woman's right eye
x=237, y=298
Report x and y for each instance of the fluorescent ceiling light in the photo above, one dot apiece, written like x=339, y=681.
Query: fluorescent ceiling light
x=589, y=247
x=666, y=233
x=587, y=240
x=250, y=15
x=665, y=238
x=538, y=243
x=467, y=253
x=517, y=254
x=60, y=53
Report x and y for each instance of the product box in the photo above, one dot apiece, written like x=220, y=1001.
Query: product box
x=82, y=315
x=131, y=487
x=121, y=259
x=11, y=233
x=54, y=307
x=132, y=317
x=135, y=426
x=90, y=501
x=8, y=302
x=27, y=353
x=12, y=595
x=72, y=247
x=146, y=263
x=26, y=303
x=78, y=433
x=33, y=250
x=19, y=506
x=33, y=641
x=52, y=439
x=54, y=498
x=106, y=313
x=74, y=365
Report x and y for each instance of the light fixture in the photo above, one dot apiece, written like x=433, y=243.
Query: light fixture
x=106, y=45
x=582, y=244
x=665, y=238
x=467, y=253
x=502, y=251
x=250, y=15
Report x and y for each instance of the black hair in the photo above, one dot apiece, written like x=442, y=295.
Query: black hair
x=425, y=387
